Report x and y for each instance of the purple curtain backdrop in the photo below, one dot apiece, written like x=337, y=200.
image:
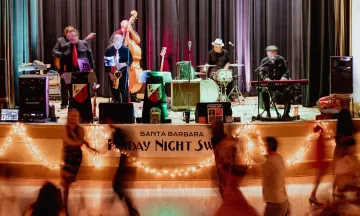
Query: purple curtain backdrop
x=244, y=42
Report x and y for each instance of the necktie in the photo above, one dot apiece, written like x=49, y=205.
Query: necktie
x=74, y=56
x=116, y=58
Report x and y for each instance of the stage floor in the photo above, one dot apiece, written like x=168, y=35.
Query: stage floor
x=245, y=110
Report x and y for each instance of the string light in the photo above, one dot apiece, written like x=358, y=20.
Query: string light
x=19, y=131
x=96, y=132
x=303, y=151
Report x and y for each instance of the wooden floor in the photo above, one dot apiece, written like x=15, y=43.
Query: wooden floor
x=169, y=198
x=244, y=110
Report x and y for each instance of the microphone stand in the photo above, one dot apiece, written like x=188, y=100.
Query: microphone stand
x=258, y=117
x=127, y=83
x=187, y=114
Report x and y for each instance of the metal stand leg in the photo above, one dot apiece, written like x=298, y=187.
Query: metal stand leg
x=223, y=96
x=237, y=91
x=272, y=103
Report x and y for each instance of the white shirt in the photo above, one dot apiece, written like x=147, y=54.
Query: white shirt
x=273, y=179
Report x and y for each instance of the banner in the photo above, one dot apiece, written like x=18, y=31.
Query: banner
x=168, y=140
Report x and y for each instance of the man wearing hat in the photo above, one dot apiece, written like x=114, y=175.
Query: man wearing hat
x=217, y=56
x=274, y=67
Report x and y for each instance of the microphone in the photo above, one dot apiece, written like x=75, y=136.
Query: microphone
x=231, y=44
x=189, y=45
x=272, y=59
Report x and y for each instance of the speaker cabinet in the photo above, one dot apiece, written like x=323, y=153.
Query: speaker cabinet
x=208, y=112
x=34, y=96
x=3, y=79
x=200, y=91
x=116, y=113
x=341, y=76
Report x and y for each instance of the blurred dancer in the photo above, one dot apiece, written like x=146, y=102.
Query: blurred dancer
x=218, y=133
x=120, y=138
x=232, y=168
x=73, y=139
x=273, y=182
x=320, y=164
x=48, y=202
x=344, y=132
x=346, y=168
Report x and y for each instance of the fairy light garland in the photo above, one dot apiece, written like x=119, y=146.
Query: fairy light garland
x=95, y=133
x=19, y=130
x=303, y=151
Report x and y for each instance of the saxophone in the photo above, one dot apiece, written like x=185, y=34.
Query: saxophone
x=117, y=74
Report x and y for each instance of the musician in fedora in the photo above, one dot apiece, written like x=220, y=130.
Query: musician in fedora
x=218, y=57
x=274, y=67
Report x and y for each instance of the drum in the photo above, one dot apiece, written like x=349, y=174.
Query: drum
x=224, y=75
x=209, y=91
x=182, y=70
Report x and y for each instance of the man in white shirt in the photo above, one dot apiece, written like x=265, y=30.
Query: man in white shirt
x=273, y=182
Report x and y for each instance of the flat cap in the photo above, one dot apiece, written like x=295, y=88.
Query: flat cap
x=272, y=48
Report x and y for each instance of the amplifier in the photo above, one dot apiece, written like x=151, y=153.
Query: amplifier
x=208, y=112
x=116, y=113
x=200, y=91
x=33, y=96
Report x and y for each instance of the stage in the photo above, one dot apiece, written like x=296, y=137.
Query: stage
x=168, y=160
x=245, y=110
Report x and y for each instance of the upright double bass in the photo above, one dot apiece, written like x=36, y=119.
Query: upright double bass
x=135, y=68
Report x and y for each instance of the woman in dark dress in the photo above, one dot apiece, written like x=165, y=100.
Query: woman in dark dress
x=73, y=139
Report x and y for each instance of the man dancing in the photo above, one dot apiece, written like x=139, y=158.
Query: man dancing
x=117, y=60
x=274, y=67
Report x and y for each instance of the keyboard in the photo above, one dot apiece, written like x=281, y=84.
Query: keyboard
x=264, y=83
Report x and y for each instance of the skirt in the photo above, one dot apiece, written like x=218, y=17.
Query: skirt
x=72, y=161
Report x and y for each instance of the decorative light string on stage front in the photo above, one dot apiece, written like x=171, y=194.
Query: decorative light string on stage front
x=95, y=134
x=19, y=131
x=309, y=139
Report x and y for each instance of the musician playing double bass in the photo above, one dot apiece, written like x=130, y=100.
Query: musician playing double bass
x=125, y=26
x=274, y=67
x=117, y=60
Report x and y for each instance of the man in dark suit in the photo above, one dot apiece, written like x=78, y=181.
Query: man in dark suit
x=117, y=60
x=70, y=52
x=56, y=52
x=274, y=67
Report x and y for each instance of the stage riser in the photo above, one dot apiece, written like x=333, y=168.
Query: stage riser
x=17, y=161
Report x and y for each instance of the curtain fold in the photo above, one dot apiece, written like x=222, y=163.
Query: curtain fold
x=319, y=45
x=6, y=51
x=342, y=10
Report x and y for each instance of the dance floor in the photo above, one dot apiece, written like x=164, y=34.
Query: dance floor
x=245, y=110
x=169, y=198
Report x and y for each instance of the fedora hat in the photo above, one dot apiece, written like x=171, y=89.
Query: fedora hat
x=218, y=42
x=272, y=48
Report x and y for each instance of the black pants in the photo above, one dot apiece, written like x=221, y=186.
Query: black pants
x=119, y=187
x=120, y=95
x=280, y=96
x=64, y=92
